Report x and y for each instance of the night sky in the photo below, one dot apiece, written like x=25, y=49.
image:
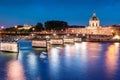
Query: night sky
x=75, y=12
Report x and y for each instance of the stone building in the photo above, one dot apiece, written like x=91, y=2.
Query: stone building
x=25, y=26
x=94, y=28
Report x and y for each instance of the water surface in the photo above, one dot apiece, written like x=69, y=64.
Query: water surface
x=79, y=61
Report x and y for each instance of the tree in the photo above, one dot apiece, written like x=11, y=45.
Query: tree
x=56, y=25
x=10, y=29
x=39, y=27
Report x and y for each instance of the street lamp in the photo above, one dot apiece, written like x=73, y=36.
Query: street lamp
x=68, y=34
x=2, y=27
x=16, y=29
x=15, y=26
x=54, y=34
x=77, y=35
x=33, y=29
x=113, y=33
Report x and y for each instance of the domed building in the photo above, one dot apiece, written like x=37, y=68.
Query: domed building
x=93, y=32
x=93, y=28
x=94, y=22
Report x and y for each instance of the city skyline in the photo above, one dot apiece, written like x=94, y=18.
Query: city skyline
x=75, y=12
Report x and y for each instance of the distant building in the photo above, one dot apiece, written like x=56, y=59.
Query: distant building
x=94, y=28
x=116, y=29
x=25, y=26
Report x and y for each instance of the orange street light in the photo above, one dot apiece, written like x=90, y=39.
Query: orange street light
x=33, y=29
x=16, y=29
x=2, y=27
x=112, y=31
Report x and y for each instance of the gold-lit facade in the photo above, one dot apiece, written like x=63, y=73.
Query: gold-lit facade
x=94, y=28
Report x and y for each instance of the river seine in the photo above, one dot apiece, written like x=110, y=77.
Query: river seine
x=78, y=61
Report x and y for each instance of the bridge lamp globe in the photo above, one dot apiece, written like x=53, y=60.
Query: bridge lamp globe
x=33, y=29
x=15, y=26
x=68, y=34
x=32, y=34
x=54, y=34
x=76, y=34
x=2, y=27
x=83, y=35
x=47, y=37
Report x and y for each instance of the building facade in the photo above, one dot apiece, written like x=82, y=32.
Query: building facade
x=94, y=28
x=25, y=26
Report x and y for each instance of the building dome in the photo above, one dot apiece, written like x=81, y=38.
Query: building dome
x=94, y=21
x=94, y=18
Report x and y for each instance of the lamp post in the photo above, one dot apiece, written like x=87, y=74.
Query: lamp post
x=2, y=27
x=33, y=29
x=113, y=33
x=16, y=27
x=16, y=30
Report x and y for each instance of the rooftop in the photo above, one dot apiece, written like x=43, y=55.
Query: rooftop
x=94, y=18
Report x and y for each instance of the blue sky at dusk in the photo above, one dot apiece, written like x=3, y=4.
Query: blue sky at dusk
x=75, y=12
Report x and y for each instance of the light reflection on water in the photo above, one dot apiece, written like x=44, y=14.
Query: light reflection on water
x=15, y=71
x=79, y=61
x=112, y=55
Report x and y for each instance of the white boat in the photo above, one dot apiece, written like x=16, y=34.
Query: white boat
x=42, y=56
x=44, y=53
